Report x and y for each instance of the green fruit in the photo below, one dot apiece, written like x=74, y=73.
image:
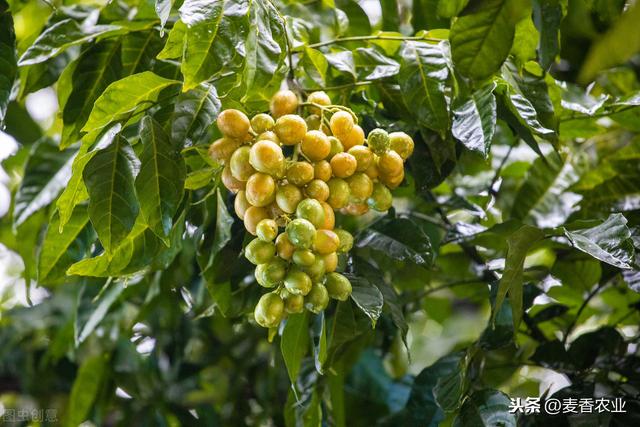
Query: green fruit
x=317, y=299
x=297, y=282
x=303, y=257
x=270, y=274
x=259, y=251
x=239, y=164
x=336, y=147
x=339, y=193
x=381, y=198
x=378, y=141
x=269, y=310
x=294, y=304
x=267, y=230
x=262, y=123
x=316, y=270
x=312, y=211
x=287, y=197
x=301, y=233
x=346, y=240
x=339, y=286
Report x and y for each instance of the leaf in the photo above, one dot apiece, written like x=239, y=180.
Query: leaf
x=42, y=75
x=375, y=65
x=525, y=42
x=113, y=206
x=548, y=15
x=390, y=15
x=366, y=296
x=61, y=36
x=86, y=387
x=315, y=66
x=451, y=8
x=319, y=341
x=486, y=408
x=8, y=59
x=175, y=42
x=342, y=61
x=224, y=221
x=193, y=115
x=482, y=36
x=423, y=75
x=449, y=389
x=474, y=120
x=123, y=98
x=347, y=326
x=500, y=332
x=523, y=111
x=46, y=173
x=163, y=9
x=139, y=50
x=518, y=245
x=102, y=306
x=295, y=342
x=609, y=241
x=160, y=182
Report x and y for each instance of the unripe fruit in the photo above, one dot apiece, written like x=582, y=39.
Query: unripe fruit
x=241, y=204
x=301, y=233
x=346, y=240
x=262, y=123
x=303, y=257
x=284, y=247
x=338, y=193
x=233, y=123
x=276, y=214
x=315, y=145
x=317, y=299
x=317, y=189
x=283, y=102
x=363, y=156
x=355, y=209
x=313, y=122
x=336, y=147
x=343, y=165
x=322, y=170
x=294, y=304
x=352, y=138
x=392, y=181
x=259, y=251
x=381, y=199
x=268, y=136
x=270, y=274
x=287, y=197
x=338, y=286
x=267, y=230
x=326, y=241
x=253, y=216
x=261, y=189
x=222, y=149
x=320, y=98
x=360, y=187
x=390, y=163
x=329, y=217
x=269, y=310
x=232, y=184
x=297, y=282
x=241, y=168
x=266, y=156
x=402, y=144
x=312, y=211
x=300, y=173
x=378, y=141
x=341, y=123
x=316, y=269
x=290, y=129
x=330, y=262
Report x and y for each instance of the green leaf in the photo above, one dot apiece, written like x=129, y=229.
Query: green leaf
x=102, y=305
x=113, y=206
x=125, y=97
x=373, y=64
x=347, y=326
x=315, y=66
x=86, y=387
x=451, y=8
x=423, y=75
x=609, y=241
x=139, y=50
x=524, y=112
x=486, y=408
x=474, y=120
x=449, y=389
x=482, y=37
x=425, y=16
x=518, y=245
x=160, y=182
x=390, y=15
x=525, y=41
x=581, y=274
x=359, y=24
x=175, y=42
x=295, y=342
x=319, y=341
x=61, y=36
x=366, y=296
x=548, y=15
x=163, y=9
x=224, y=221
x=194, y=114
x=38, y=76
x=8, y=58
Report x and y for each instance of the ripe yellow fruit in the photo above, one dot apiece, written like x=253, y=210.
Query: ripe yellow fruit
x=339, y=193
x=330, y=262
x=325, y=242
x=260, y=189
x=317, y=299
x=267, y=230
x=284, y=247
x=322, y=170
x=355, y=209
x=372, y=171
x=360, y=187
x=232, y=184
x=233, y=123
x=241, y=168
x=266, y=156
x=392, y=181
x=287, y=197
x=352, y=138
x=241, y=204
x=390, y=163
x=343, y=165
x=262, y=123
x=402, y=144
x=346, y=240
x=291, y=129
x=282, y=103
x=268, y=135
x=329, y=217
x=222, y=149
x=320, y=98
x=317, y=189
x=341, y=124
x=315, y=145
x=253, y=216
x=364, y=157
x=300, y=173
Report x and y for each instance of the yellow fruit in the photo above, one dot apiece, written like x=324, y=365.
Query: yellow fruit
x=325, y=242
x=372, y=171
x=303, y=257
x=262, y=123
x=336, y=147
x=241, y=204
x=352, y=138
x=222, y=149
x=233, y=123
x=330, y=262
x=297, y=282
x=294, y=304
x=261, y=189
x=390, y=163
x=364, y=157
x=287, y=197
x=378, y=141
x=283, y=102
x=276, y=214
x=253, y=216
x=291, y=129
x=339, y=193
x=381, y=199
x=284, y=247
x=320, y=98
x=315, y=145
x=322, y=170
x=266, y=156
x=269, y=136
x=241, y=168
x=267, y=230
x=329, y=217
x=402, y=144
x=339, y=286
x=346, y=240
x=260, y=252
x=360, y=187
x=343, y=165
x=230, y=182
x=341, y=123
x=355, y=209
x=300, y=173
x=317, y=189
x=392, y=181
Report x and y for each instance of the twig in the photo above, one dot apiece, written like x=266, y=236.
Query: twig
x=344, y=86
x=580, y=310
x=490, y=190
x=365, y=38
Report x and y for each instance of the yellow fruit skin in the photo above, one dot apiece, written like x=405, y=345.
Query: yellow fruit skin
x=230, y=182
x=338, y=193
x=326, y=242
x=253, y=216
x=329, y=217
x=330, y=262
x=287, y=197
x=322, y=170
x=222, y=149
x=336, y=147
x=260, y=189
x=390, y=163
x=267, y=230
x=233, y=123
x=266, y=156
x=343, y=165
x=360, y=186
x=241, y=204
x=284, y=247
x=341, y=124
x=355, y=209
x=282, y=103
x=241, y=168
x=320, y=98
x=269, y=310
x=262, y=123
x=290, y=129
x=315, y=145
x=317, y=189
x=294, y=304
x=364, y=157
x=352, y=138
x=268, y=136
x=392, y=181
x=300, y=173
x=402, y=144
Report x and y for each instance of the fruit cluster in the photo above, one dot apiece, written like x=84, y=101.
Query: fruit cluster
x=289, y=174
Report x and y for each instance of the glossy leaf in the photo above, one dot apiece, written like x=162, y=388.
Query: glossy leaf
x=319, y=341
x=486, y=408
x=86, y=388
x=294, y=343
x=548, y=16
x=193, y=115
x=163, y=9
x=366, y=296
x=8, y=59
x=139, y=50
x=106, y=300
x=175, y=42
x=474, y=120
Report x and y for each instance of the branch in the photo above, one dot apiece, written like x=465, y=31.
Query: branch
x=365, y=38
x=586, y=301
x=339, y=87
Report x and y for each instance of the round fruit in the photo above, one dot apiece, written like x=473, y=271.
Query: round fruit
x=315, y=145
x=262, y=123
x=326, y=241
x=355, y=209
x=360, y=186
x=303, y=257
x=338, y=286
x=222, y=149
x=313, y=122
x=233, y=123
x=269, y=310
x=320, y=98
x=291, y=129
x=372, y=171
x=261, y=189
x=301, y=233
x=317, y=299
x=338, y=193
x=267, y=230
x=381, y=199
x=322, y=170
x=352, y=138
x=390, y=163
x=317, y=189
x=341, y=123
x=330, y=262
x=364, y=157
x=283, y=102
x=284, y=247
x=294, y=304
x=392, y=181
x=346, y=240
x=316, y=270
x=336, y=147
x=300, y=173
x=253, y=216
x=297, y=282
x=343, y=165
x=266, y=156
x=312, y=211
x=270, y=274
x=287, y=197
x=402, y=144
x=259, y=252
x=232, y=184
x=378, y=141
x=268, y=136
x=241, y=168
x=241, y=204
x=329, y=217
